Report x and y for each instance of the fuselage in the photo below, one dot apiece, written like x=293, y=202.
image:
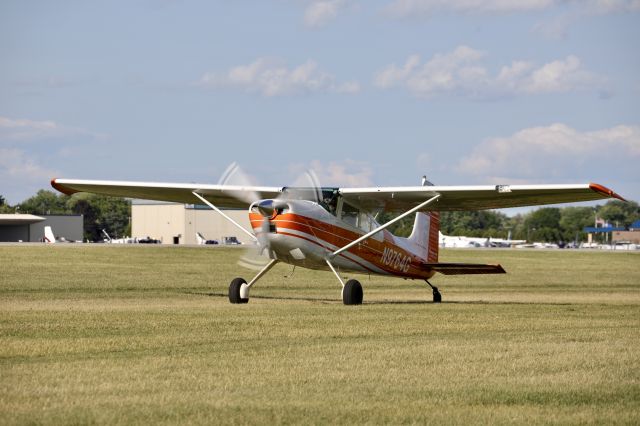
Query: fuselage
x=304, y=233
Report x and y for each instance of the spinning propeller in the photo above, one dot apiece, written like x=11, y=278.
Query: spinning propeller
x=306, y=187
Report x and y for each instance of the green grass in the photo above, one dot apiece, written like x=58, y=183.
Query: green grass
x=118, y=335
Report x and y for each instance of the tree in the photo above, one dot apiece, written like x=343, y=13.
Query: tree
x=481, y=223
x=4, y=207
x=89, y=217
x=619, y=213
x=544, y=225
x=573, y=220
x=45, y=202
x=102, y=212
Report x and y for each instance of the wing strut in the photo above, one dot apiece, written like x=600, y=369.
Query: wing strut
x=225, y=216
x=381, y=227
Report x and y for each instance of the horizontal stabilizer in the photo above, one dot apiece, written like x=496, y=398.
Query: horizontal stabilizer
x=464, y=268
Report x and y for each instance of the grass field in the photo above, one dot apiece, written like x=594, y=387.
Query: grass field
x=119, y=335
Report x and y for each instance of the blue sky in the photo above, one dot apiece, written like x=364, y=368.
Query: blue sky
x=364, y=92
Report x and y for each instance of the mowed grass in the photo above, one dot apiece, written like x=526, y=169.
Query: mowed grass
x=134, y=334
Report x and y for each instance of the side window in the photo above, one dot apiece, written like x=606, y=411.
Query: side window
x=350, y=214
x=365, y=222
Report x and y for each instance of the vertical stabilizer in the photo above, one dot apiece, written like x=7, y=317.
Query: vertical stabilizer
x=424, y=236
x=48, y=235
x=426, y=230
x=200, y=238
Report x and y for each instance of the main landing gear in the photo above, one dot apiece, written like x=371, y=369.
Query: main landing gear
x=437, y=297
x=352, y=293
x=239, y=289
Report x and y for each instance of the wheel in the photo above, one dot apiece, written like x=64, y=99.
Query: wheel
x=352, y=293
x=234, y=291
x=437, y=297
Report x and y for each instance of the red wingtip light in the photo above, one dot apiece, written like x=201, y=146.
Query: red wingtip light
x=606, y=191
x=64, y=190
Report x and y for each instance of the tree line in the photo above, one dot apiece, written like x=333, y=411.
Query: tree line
x=548, y=224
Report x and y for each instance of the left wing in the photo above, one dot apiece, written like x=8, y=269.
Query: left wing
x=223, y=196
x=474, y=197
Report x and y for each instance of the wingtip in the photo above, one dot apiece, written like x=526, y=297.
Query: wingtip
x=60, y=188
x=606, y=191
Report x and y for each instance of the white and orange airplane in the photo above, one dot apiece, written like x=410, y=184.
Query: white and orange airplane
x=335, y=229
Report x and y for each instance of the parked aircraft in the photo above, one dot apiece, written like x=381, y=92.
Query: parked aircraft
x=203, y=241
x=49, y=237
x=124, y=240
x=334, y=229
x=450, y=241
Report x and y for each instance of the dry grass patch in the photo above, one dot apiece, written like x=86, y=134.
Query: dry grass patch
x=125, y=335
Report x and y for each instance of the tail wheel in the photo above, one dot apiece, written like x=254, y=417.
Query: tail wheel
x=352, y=293
x=234, y=291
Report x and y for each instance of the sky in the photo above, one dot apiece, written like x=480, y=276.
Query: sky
x=365, y=93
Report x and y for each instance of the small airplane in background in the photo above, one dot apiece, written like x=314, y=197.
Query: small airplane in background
x=334, y=229
x=203, y=241
x=124, y=240
x=450, y=241
x=50, y=238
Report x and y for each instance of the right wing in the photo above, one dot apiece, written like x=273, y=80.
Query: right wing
x=222, y=196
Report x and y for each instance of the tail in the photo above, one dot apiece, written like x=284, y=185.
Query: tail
x=48, y=235
x=200, y=238
x=424, y=236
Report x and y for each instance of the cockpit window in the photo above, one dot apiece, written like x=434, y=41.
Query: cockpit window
x=350, y=214
x=325, y=197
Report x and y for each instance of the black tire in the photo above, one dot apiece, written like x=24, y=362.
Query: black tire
x=352, y=293
x=234, y=291
x=437, y=297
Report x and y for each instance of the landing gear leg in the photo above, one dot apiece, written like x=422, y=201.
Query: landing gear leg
x=351, y=291
x=437, y=297
x=239, y=289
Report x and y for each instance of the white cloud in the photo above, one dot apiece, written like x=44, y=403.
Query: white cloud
x=427, y=8
x=319, y=13
x=29, y=130
x=611, y=6
x=555, y=28
x=555, y=151
x=14, y=164
x=461, y=72
x=345, y=173
x=20, y=174
x=271, y=77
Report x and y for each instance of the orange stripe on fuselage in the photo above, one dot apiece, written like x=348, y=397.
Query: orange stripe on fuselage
x=371, y=250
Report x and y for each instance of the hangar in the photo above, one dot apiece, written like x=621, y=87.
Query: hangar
x=176, y=223
x=30, y=228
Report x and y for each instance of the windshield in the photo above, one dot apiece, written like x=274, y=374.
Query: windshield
x=325, y=197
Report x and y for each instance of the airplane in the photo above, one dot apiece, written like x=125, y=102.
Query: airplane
x=334, y=228
x=124, y=240
x=50, y=238
x=450, y=241
x=203, y=241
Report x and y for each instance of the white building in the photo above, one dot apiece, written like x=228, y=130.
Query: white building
x=174, y=223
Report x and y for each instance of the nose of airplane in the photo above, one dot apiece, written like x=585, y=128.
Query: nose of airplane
x=266, y=208
x=270, y=208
